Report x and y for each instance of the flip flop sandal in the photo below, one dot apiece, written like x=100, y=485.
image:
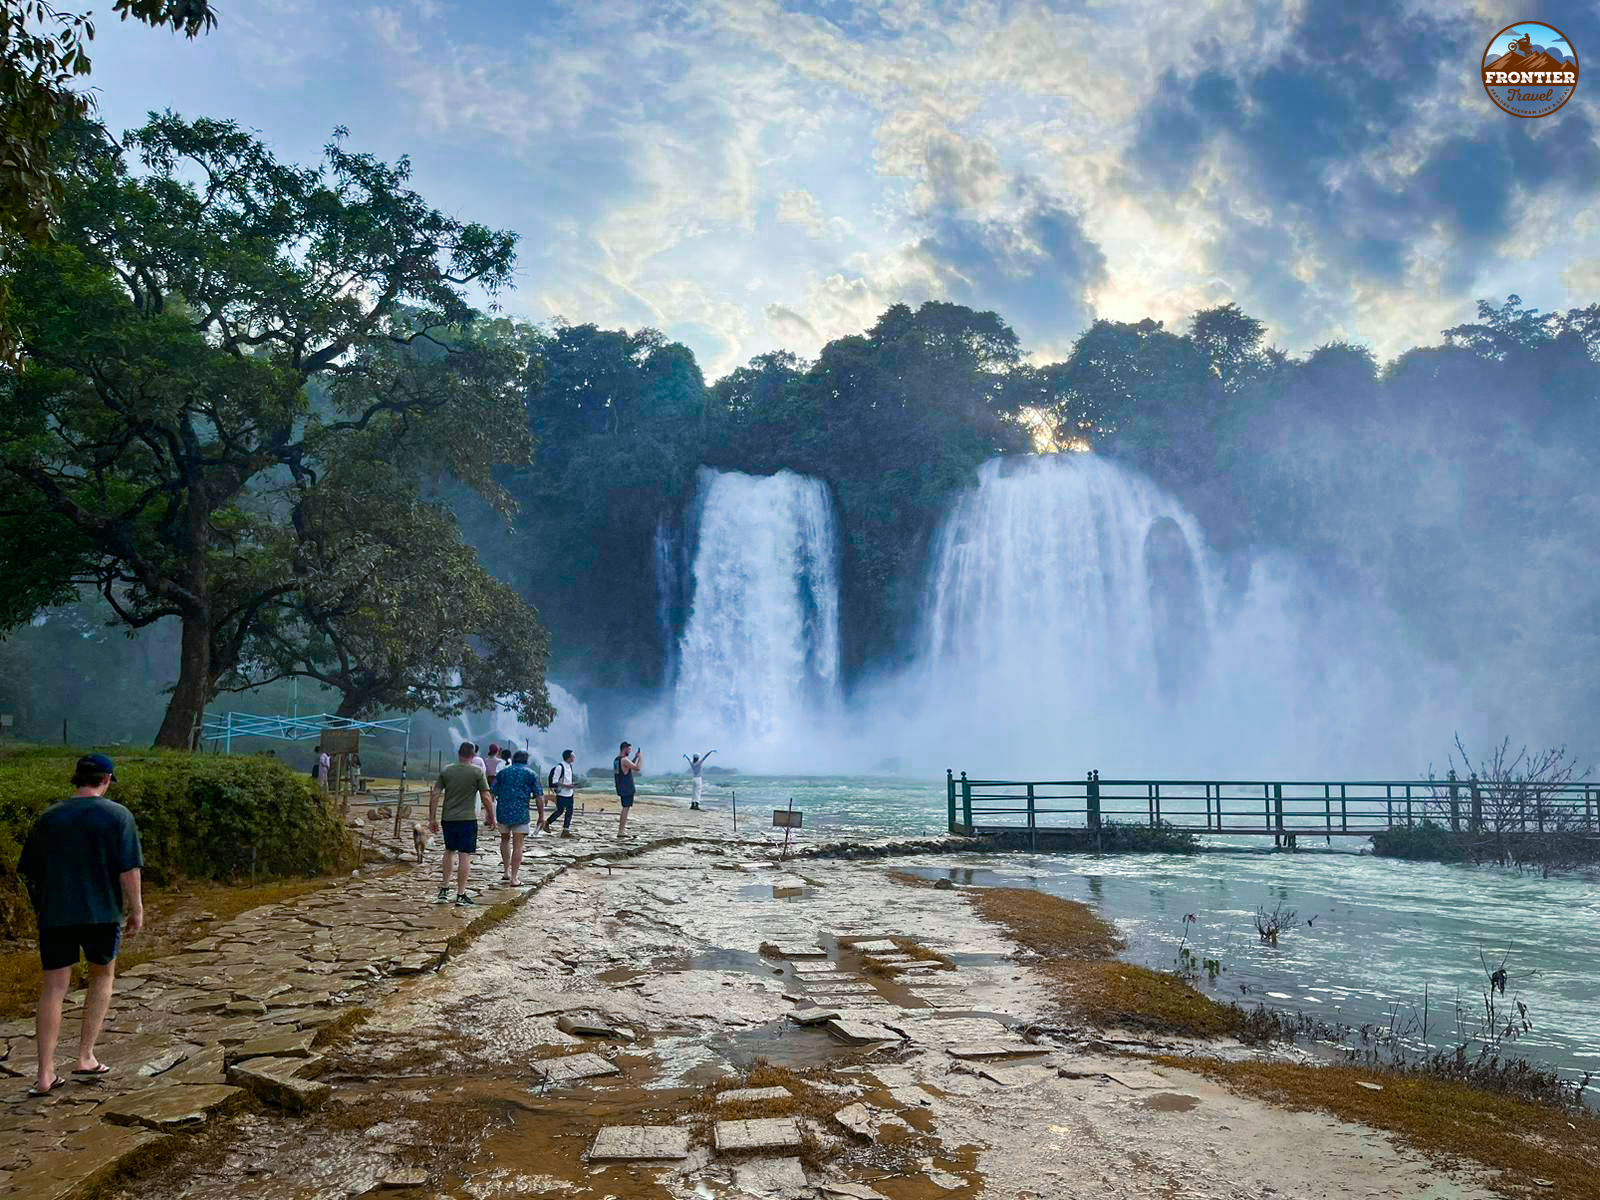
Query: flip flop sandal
x=102, y=1069
x=37, y=1091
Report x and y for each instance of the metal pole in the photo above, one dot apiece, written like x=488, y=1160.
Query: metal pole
x=1455, y=803
x=950, y=796
x=227, y=736
x=400, y=796
x=1033, y=840
x=736, y=810
x=966, y=803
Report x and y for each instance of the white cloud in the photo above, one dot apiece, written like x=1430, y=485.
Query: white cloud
x=799, y=207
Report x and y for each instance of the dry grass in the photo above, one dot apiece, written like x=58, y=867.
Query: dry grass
x=174, y=918
x=1048, y=925
x=1525, y=1142
x=1091, y=983
x=922, y=953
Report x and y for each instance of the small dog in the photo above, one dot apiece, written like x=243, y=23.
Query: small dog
x=419, y=839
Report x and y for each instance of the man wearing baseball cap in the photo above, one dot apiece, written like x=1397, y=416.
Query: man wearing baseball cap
x=81, y=863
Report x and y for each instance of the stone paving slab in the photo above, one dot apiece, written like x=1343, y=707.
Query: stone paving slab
x=173, y=1106
x=815, y=1016
x=857, y=1032
x=795, y=950
x=876, y=946
x=754, y=1095
x=574, y=1067
x=996, y=1049
x=639, y=1143
x=805, y=969
x=772, y=1133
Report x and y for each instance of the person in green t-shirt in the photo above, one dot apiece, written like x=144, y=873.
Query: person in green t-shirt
x=461, y=785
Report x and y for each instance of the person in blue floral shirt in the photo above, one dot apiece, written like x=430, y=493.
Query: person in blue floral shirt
x=514, y=788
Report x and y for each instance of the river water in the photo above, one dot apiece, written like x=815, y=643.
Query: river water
x=1371, y=940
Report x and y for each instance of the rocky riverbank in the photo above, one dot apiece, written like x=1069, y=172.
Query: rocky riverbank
x=682, y=1016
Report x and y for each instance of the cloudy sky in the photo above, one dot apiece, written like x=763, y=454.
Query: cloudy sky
x=754, y=174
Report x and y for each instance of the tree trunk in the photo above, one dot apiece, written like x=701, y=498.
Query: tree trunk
x=181, y=726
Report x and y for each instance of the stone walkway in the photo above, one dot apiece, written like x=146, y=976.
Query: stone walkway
x=259, y=989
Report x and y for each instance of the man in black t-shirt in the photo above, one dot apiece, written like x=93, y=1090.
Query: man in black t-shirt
x=81, y=863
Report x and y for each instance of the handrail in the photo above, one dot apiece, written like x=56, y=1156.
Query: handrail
x=1263, y=806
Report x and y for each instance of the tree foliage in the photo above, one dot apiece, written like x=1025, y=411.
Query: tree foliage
x=44, y=50
x=174, y=337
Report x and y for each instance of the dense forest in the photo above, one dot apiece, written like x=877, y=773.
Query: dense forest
x=260, y=425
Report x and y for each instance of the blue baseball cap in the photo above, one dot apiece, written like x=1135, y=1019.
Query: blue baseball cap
x=99, y=763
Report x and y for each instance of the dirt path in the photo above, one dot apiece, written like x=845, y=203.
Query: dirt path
x=686, y=955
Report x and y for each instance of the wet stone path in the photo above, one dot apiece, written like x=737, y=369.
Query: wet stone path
x=700, y=1021
x=237, y=1016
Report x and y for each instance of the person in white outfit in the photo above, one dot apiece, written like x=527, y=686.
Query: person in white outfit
x=697, y=766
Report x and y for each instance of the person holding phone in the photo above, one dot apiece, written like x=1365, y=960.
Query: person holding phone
x=623, y=771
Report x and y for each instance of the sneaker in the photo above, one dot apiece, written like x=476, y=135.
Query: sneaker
x=568, y=833
x=443, y=897
x=464, y=901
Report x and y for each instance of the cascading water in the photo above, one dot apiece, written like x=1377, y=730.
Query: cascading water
x=1075, y=619
x=1072, y=570
x=759, y=655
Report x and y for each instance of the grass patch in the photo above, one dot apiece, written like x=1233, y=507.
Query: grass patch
x=922, y=953
x=1048, y=925
x=1090, y=982
x=1119, y=995
x=1526, y=1142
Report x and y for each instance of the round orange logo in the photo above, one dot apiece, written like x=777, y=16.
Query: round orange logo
x=1530, y=69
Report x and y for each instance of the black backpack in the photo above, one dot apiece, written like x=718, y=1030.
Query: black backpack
x=552, y=780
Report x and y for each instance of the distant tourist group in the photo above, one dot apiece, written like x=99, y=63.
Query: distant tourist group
x=511, y=795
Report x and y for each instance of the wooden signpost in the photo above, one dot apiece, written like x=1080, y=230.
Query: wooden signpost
x=787, y=820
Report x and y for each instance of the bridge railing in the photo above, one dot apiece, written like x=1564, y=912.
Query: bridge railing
x=1273, y=807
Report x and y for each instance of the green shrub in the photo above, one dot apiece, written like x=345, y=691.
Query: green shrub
x=200, y=816
x=1427, y=842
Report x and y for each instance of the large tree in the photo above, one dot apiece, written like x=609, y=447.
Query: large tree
x=394, y=611
x=162, y=418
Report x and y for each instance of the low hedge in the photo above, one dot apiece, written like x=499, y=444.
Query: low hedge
x=1426, y=842
x=200, y=816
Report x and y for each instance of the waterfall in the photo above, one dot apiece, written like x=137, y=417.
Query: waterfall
x=759, y=655
x=1070, y=600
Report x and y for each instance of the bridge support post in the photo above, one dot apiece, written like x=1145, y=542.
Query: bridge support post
x=1455, y=803
x=1033, y=837
x=966, y=803
x=1092, y=796
x=1476, y=817
x=950, y=795
x=1277, y=815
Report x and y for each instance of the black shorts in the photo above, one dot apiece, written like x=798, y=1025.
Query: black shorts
x=60, y=945
x=460, y=836
x=626, y=801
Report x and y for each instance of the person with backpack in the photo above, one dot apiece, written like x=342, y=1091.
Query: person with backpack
x=623, y=769
x=561, y=789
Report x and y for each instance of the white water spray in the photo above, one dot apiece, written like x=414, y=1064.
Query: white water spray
x=758, y=661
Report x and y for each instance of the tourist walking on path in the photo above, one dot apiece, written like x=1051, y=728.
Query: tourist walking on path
x=623, y=769
x=491, y=764
x=697, y=767
x=81, y=863
x=514, y=786
x=561, y=786
x=320, y=771
x=462, y=785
